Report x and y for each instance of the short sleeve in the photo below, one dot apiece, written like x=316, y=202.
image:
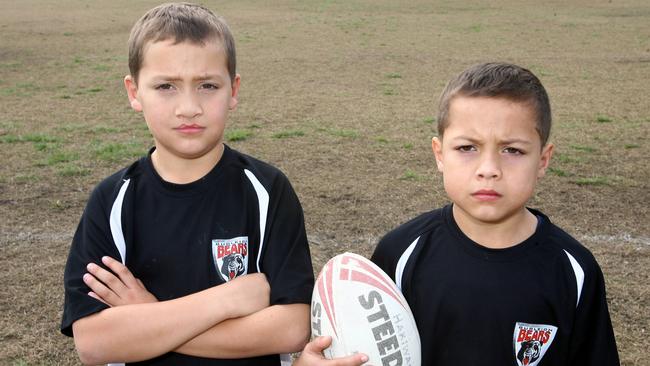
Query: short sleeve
x=592, y=341
x=384, y=257
x=91, y=241
x=286, y=260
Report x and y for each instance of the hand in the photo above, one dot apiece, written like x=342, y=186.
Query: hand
x=112, y=290
x=247, y=294
x=312, y=355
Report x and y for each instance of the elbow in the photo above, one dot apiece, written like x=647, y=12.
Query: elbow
x=89, y=352
x=296, y=341
x=88, y=355
x=300, y=343
x=300, y=332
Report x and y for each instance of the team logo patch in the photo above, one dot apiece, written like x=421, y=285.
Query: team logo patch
x=531, y=342
x=230, y=256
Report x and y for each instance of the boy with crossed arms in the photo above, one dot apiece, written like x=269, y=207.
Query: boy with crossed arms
x=195, y=254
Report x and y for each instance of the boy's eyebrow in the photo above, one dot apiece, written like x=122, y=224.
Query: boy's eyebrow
x=198, y=78
x=517, y=141
x=501, y=142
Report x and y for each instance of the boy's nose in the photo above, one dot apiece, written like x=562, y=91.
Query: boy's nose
x=188, y=106
x=489, y=166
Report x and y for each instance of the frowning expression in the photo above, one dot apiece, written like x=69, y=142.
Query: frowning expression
x=490, y=157
x=185, y=93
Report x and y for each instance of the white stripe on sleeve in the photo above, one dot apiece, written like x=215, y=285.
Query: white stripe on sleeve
x=116, y=221
x=263, y=199
x=580, y=274
x=401, y=264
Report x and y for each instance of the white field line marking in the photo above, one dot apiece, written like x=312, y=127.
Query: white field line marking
x=617, y=239
x=42, y=237
x=7, y=237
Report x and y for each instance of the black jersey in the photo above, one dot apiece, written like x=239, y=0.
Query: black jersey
x=541, y=302
x=178, y=239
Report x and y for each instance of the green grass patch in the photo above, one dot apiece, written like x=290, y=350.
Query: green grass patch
x=564, y=158
x=95, y=90
x=603, y=119
x=238, y=135
x=39, y=138
x=57, y=157
x=25, y=178
x=343, y=133
x=10, y=139
x=40, y=146
x=588, y=149
x=28, y=86
x=429, y=120
x=10, y=125
x=73, y=171
x=288, y=133
x=8, y=91
x=389, y=91
x=631, y=146
x=68, y=34
x=558, y=172
x=141, y=125
x=19, y=362
x=393, y=75
x=104, y=129
x=408, y=146
x=70, y=127
x=382, y=140
x=115, y=152
x=20, y=89
x=11, y=65
x=36, y=138
x=410, y=175
x=592, y=181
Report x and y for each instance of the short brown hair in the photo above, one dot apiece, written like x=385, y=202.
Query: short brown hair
x=500, y=80
x=180, y=22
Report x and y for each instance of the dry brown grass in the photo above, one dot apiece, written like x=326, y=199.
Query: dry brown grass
x=359, y=80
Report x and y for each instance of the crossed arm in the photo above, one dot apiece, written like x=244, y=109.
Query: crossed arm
x=233, y=320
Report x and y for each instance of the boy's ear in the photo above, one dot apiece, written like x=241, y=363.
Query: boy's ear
x=132, y=92
x=234, y=93
x=436, y=146
x=545, y=159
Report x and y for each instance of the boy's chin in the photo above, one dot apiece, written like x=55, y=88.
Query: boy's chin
x=488, y=214
x=190, y=152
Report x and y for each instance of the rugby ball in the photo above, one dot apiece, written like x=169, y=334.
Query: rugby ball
x=363, y=311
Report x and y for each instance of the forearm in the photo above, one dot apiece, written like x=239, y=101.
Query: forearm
x=143, y=331
x=273, y=330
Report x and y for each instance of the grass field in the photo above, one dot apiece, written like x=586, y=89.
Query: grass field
x=341, y=95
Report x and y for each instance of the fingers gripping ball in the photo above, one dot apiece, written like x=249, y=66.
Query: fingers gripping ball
x=360, y=307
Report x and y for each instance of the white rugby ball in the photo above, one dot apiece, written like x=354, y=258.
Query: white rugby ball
x=363, y=311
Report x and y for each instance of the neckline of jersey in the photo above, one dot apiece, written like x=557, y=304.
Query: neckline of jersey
x=496, y=254
x=196, y=187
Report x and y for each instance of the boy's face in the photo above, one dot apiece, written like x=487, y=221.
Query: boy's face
x=185, y=93
x=490, y=157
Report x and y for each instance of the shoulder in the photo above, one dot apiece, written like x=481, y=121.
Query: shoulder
x=576, y=260
x=414, y=227
x=404, y=238
x=257, y=171
x=109, y=188
x=563, y=244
